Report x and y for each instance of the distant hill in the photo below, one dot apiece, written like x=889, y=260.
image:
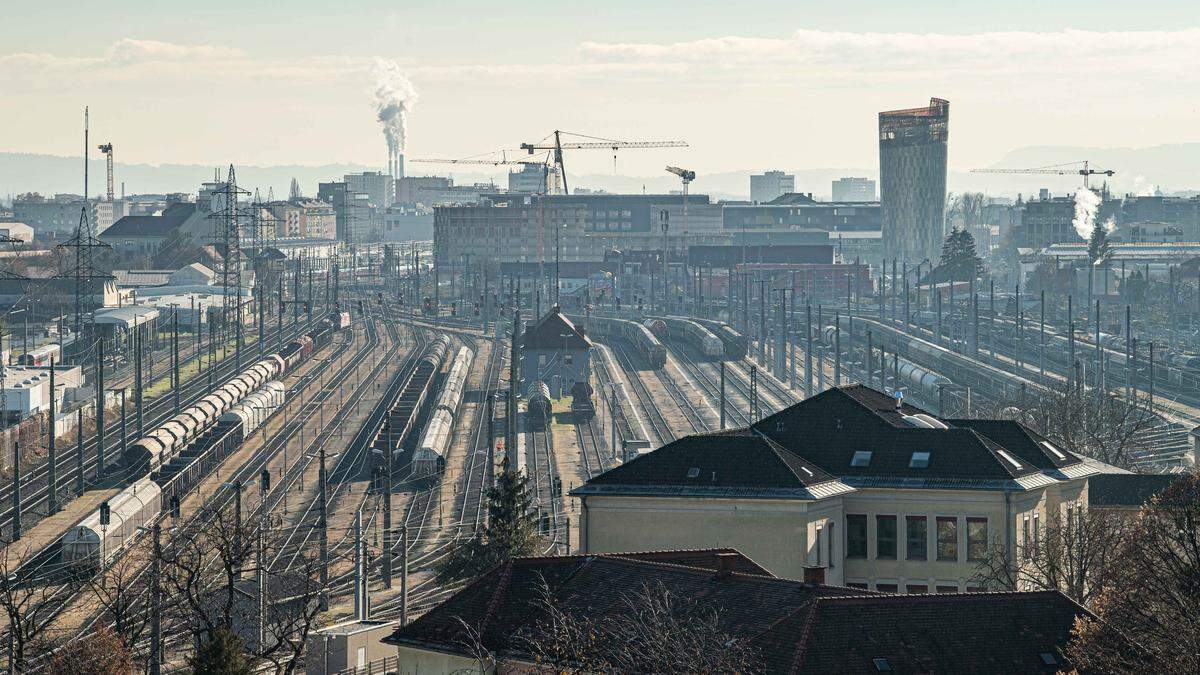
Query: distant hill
x=1174, y=168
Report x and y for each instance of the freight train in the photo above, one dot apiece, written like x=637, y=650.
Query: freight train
x=400, y=422
x=175, y=455
x=538, y=405
x=734, y=342
x=694, y=333
x=430, y=455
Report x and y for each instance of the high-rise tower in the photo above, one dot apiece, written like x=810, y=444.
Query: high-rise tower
x=912, y=180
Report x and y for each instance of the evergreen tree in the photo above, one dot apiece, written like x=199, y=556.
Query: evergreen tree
x=1099, y=247
x=222, y=653
x=960, y=261
x=511, y=530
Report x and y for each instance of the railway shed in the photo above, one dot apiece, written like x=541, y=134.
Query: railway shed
x=557, y=352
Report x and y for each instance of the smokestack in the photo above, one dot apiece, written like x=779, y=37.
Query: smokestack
x=399, y=165
x=391, y=161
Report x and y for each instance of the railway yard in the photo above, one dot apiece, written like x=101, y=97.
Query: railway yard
x=353, y=460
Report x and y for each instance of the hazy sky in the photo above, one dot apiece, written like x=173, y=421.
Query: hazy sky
x=751, y=85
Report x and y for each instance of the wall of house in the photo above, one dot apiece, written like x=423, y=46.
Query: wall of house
x=423, y=662
x=578, y=369
x=774, y=533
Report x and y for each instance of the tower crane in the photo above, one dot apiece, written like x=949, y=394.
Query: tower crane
x=687, y=176
x=107, y=149
x=1058, y=169
x=548, y=186
x=594, y=143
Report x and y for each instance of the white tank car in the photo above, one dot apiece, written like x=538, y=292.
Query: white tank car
x=134, y=507
x=455, y=383
x=257, y=407
x=431, y=451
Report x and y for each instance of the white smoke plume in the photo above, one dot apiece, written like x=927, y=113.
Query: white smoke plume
x=1144, y=188
x=1087, y=204
x=395, y=97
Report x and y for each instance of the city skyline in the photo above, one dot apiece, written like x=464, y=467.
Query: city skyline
x=800, y=91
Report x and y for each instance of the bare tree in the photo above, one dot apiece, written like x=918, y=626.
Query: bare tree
x=655, y=631
x=102, y=652
x=1087, y=421
x=1155, y=600
x=1078, y=554
x=30, y=601
x=293, y=610
x=121, y=591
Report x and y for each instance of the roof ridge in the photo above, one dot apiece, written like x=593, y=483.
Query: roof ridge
x=802, y=644
x=494, y=601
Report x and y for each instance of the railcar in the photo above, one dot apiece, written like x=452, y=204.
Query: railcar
x=89, y=544
x=538, y=404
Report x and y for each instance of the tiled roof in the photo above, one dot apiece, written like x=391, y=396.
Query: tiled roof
x=548, y=333
x=969, y=633
x=1129, y=490
x=792, y=626
x=726, y=460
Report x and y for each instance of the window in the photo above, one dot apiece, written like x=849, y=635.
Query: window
x=886, y=588
x=919, y=589
x=975, y=589
x=1037, y=531
x=947, y=538
x=1048, y=659
x=861, y=458
x=881, y=664
x=917, y=536
x=920, y=460
x=857, y=584
x=1025, y=548
x=977, y=538
x=856, y=536
x=885, y=537
x=830, y=540
x=947, y=588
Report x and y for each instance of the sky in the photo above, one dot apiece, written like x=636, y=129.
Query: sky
x=750, y=85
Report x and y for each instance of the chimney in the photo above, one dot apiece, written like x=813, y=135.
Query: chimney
x=814, y=575
x=726, y=563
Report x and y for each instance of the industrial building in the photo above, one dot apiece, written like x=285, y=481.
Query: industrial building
x=57, y=217
x=879, y=494
x=912, y=180
x=557, y=352
x=771, y=185
x=303, y=218
x=799, y=211
x=854, y=190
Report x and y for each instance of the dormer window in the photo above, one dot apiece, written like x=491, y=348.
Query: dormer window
x=861, y=458
x=920, y=460
x=693, y=472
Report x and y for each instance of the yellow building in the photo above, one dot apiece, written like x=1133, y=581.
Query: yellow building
x=878, y=493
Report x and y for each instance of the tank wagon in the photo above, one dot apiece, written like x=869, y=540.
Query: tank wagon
x=582, y=408
x=538, y=405
x=430, y=455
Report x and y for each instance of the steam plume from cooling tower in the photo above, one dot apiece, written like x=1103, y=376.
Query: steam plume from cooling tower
x=1087, y=206
x=395, y=97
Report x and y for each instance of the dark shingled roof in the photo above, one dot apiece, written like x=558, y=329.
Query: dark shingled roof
x=731, y=459
x=830, y=427
x=1024, y=443
x=1126, y=490
x=549, y=331
x=971, y=633
x=794, y=627
x=152, y=226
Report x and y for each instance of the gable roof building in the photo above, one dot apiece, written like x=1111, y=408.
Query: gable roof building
x=880, y=493
x=790, y=626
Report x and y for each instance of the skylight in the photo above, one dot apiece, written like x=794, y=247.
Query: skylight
x=1053, y=450
x=1008, y=458
x=882, y=665
x=1048, y=659
x=920, y=460
x=693, y=472
x=861, y=458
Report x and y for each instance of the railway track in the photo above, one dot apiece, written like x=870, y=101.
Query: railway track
x=35, y=486
x=658, y=423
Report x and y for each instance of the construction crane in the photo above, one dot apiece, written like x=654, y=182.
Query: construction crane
x=107, y=149
x=687, y=176
x=1058, y=169
x=595, y=143
x=548, y=186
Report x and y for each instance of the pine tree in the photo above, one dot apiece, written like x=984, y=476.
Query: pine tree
x=960, y=261
x=511, y=530
x=1099, y=247
x=222, y=653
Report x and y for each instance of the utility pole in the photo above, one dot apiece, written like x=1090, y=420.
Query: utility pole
x=837, y=350
x=156, y=604
x=175, y=355
x=99, y=407
x=360, y=612
x=52, y=465
x=324, y=525
x=260, y=557
x=79, y=485
x=722, y=394
x=404, y=575
x=387, y=510
x=16, y=493
x=137, y=378
x=808, y=351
